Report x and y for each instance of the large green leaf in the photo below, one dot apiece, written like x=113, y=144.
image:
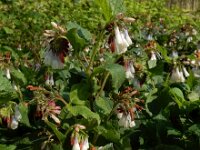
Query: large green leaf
x=7, y=92
x=19, y=76
x=109, y=132
x=103, y=106
x=116, y=71
x=77, y=42
x=177, y=96
x=7, y=147
x=152, y=63
x=83, y=111
x=24, y=112
x=79, y=94
x=82, y=32
x=195, y=129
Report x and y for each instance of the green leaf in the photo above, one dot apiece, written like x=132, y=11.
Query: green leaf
x=105, y=9
x=79, y=94
x=103, y=106
x=7, y=147
x=150, y=98
x=77, y=42
x=24, y=112
x=83, y=111
x=116, y=6
x=152, y=63
x=164, y=53
x=109, y=133
x=193, y=96
x=59, y=135
x=7, y=92
x=118, y=74
x=195, y=129
x=56, y=147
x=116, y=71
x=82, y=32
x=177, y=96
x=19, y=76
x=173, y=132
x=8, y=30
x=13, y=52
x=107, y=147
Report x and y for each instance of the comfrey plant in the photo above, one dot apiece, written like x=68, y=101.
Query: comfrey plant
x=132, y=82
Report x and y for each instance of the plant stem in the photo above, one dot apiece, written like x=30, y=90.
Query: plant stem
x=103, y=84
x=95, y=50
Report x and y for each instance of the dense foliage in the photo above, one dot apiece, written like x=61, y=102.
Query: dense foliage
x=102, y=74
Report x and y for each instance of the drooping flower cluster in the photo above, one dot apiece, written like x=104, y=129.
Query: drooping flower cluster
x=179, y=74
x=57, y=47
x=49, y=109
x=49, y=79
x=125, y=118
x=155, y=55
x=15, y=118
x=122, y=40
x=130, y=70
x=79, y=141
x=11, y=117
x=126, y=110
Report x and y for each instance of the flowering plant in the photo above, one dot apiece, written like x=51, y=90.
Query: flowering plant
x=128, y=80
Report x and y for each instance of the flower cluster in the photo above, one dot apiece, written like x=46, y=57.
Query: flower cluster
x=122, y=40
x=49, y=80
x=15, y=118
x=130, y=70
x=57, y=47
x=49, y=109
x=179, y=74
x=125, y=118
x=11, y=117
x=79, y=141
x=128, y=107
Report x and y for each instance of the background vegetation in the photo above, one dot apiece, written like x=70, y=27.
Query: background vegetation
x=87, y=90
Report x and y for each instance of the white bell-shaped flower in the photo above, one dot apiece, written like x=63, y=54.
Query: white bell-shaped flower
x=85, y=144
x=51, y=59
x=127, y=37
x=119, y=115
x=123, y=121
x=150, y=37
x=14, y=123
x=120, y=42
x=17, y=114
x=175, y=76
x=47, y=82
x=153, y=56
x=189, y=39
x=51, y=81
x=76, y=145
x=130, y=71
x=196, y=72
x=174, y=54
x=185, y=72
x=182, y=78
x=8, y=73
